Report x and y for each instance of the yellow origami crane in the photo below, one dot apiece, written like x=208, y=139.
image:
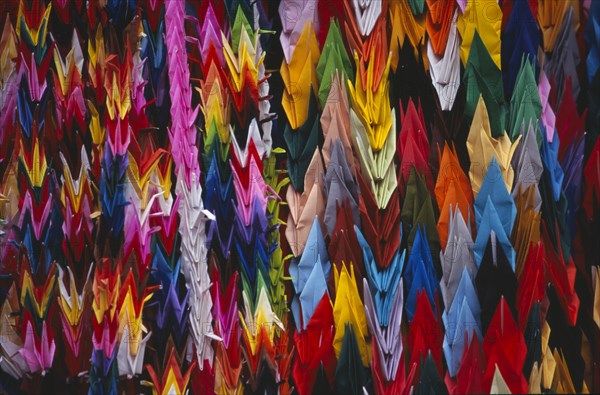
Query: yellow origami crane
x=562, y=383
x=39, y=307
x=348, y=309
x=75, y=191
x=165, y=179
x=106, y=288
x=36, y=170
x=70, y=301
x=300, y=76
x=97, y=128
x=8, y=51
x=372, y=105
x=377, y=168
x=130, y=313
x=485, y=16
x=535, y=379
x=404, y=24
x=243, y=62
x=117, y=83
x=548, y=362
x=97, y=58
x=483, y=147
x=261, y=317
x=69, y=70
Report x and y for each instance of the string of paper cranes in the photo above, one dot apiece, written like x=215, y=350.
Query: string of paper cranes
x=299, y=196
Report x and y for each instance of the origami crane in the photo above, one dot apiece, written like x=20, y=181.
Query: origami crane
x=482, y=147
x=349, y=314
x=525, y=104
x=565, y=57
x=388, y=339
x=333, y=62
x=251, y=196
x=482, y=19
x=406, y=28
x=444, y=66
x=305, y=206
